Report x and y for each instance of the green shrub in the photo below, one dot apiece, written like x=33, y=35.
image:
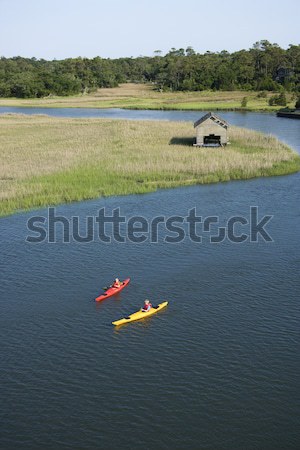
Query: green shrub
x=278, y=100
x=244, y=102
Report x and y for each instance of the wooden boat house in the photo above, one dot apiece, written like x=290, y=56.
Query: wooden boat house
x=211, y=131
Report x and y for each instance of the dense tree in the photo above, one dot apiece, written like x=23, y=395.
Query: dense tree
x=264, y=67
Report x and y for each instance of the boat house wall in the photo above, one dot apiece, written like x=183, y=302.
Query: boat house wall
x=211, y=131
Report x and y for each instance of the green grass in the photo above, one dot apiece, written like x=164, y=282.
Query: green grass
x=48, y=161
x=141, y=96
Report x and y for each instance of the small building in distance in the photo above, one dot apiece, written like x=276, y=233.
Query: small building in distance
x=211, y=131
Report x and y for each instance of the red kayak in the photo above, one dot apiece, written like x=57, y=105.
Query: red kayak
x=112, y=291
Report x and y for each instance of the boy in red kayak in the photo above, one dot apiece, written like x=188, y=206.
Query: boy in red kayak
x=147, y=306
x=117, y=283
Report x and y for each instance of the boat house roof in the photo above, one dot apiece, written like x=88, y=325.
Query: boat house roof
x=214, y=118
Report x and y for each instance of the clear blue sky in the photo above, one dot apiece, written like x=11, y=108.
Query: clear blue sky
x=113, y=28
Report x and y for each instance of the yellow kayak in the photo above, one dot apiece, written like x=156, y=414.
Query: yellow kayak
x=140, y=314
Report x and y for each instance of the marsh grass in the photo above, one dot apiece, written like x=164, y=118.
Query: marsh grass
x=143, y=96
x=47, y=161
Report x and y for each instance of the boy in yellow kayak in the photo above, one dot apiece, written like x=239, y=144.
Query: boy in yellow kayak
x=147, y=306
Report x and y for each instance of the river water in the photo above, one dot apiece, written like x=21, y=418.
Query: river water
x=218, y=369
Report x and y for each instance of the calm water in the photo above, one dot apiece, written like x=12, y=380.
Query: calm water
x=217, y=370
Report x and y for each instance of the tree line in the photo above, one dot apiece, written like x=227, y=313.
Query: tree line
x=264, y=67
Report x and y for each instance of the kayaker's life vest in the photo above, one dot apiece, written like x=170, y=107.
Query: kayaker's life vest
x=147, y=307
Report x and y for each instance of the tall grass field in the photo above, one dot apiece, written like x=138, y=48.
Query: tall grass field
x=47, y=161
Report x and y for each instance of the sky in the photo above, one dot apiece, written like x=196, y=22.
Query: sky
x=114, y=28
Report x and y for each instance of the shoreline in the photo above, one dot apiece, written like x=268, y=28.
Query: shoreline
x=160, y=189
x=289, y=113
x=142, y=108
x=137, y=108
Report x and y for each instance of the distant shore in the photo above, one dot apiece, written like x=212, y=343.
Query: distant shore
x=49, y=161
x=142, y=96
